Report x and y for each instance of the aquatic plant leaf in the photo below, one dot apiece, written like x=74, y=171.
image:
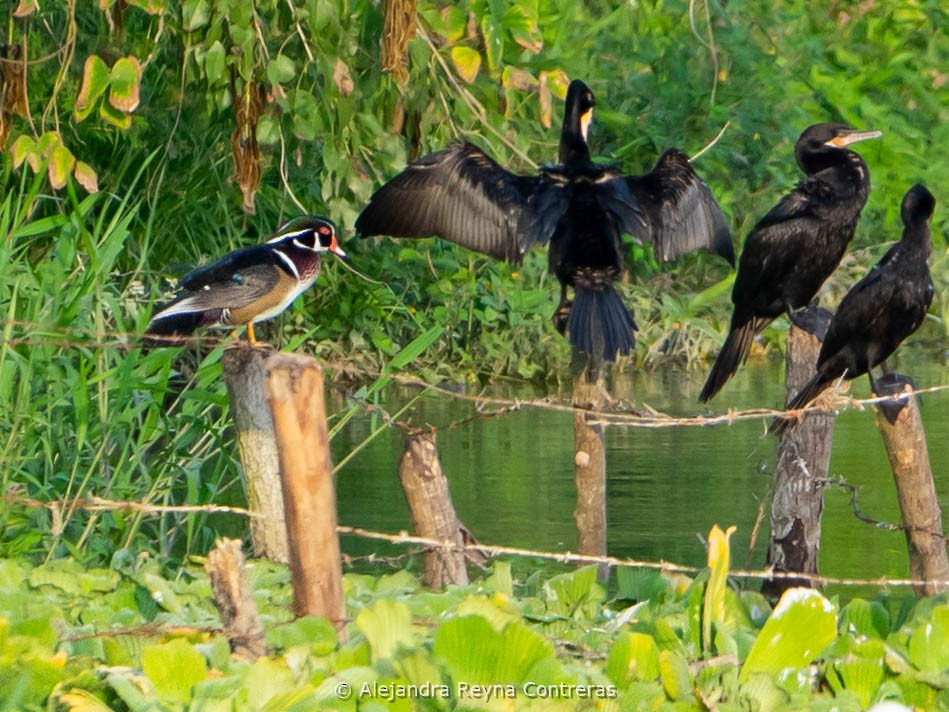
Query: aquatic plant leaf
x=719, y=561
x=387, y=626
x=267, y=681
x=928, y=650
x=174, y=668
x=634, y=656
x=861, y=676
x=866, y=618
x=800, y=627
x=675, y=677
x=317, y=633
x=473, y=651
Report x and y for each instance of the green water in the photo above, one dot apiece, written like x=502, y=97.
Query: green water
x=511, y=477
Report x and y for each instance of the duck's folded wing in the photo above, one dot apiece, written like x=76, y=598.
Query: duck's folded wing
x=682, y=214
x=231, y=264
x=241, y=288
x=462, y=195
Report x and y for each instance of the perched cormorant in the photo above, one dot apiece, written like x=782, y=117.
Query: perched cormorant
x=580, y=207
x=250, y=284
x=798, y=244
x=881, y=310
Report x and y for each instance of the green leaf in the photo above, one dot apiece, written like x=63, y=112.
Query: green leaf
x=865, y=618
x=214, y=62
x=126, y=78
x=24, y=148
x=152, y=7
x=719, y=562
x=674, y=673
x=387, y=626
x=61, y=163
x=800, y=627
x=266, y=682
x=928, y=649
x=493, y=44
x=317, y=633
x=474, y=652
x=467, y=62
x=95, y=80
x=194, y=14
x=174, y=668
x=117, y=118
x=281, y=69
x=634, y=656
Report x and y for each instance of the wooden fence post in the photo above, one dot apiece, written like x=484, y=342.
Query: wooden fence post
x=433, y=513
x=803, y=460
x=243, y=370
x=294, y=389
x=235, y=599
x=590, y=469
x=905, y=441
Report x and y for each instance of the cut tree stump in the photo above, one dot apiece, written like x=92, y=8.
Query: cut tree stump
x=803, y=461
x=589, y=468
x=433, y=513
x=234, y=599
x=243, y=369
x=294, y=390
x=901, y=427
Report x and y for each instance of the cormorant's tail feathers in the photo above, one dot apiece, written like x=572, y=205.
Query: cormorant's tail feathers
x=808, y=392
x=599, y=323
x=734, y=353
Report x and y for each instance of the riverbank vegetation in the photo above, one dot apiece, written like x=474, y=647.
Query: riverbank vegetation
x=143, y=137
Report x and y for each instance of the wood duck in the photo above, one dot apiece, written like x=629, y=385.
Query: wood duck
x=798, y=244
x=250, y=284
x=881, y=310
x=580, y=207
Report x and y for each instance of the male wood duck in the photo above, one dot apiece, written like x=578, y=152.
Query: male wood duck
x=250, y=284
x=580, y=207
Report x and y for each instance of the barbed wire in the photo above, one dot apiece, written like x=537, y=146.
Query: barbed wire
x=403, y=538
x=619, y=413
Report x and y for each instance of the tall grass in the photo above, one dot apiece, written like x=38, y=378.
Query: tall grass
x=88, y=413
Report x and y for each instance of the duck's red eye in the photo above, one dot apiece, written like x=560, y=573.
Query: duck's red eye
x=324, y=230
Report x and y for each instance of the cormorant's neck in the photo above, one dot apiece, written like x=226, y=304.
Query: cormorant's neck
x=574, y=151
x=812, y=162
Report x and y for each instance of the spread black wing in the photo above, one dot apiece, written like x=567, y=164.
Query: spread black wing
x=681, y=213
x=462, y=195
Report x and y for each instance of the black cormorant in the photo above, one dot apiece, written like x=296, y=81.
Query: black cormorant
x=580, y=207
x=798, y=244
x=881, y=310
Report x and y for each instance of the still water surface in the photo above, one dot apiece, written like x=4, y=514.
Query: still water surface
x=512, y=482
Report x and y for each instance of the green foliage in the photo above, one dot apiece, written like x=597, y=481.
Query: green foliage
x=82, y=640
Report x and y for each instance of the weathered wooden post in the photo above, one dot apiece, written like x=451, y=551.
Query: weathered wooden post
x=803, y=460
x=590, y=468
x=294, y=389
x=433, y=513
x=243, y=369
x=901, y=426
x=234, y=599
